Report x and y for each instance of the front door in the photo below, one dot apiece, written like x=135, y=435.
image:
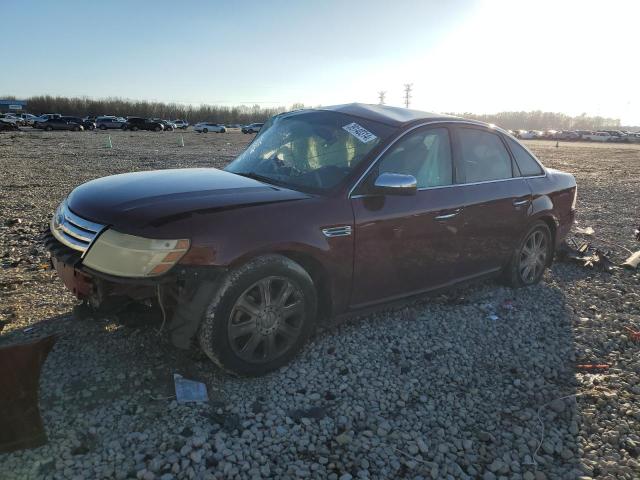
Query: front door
x=408, y=244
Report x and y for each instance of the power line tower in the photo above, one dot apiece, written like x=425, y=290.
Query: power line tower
x=381, y=95
x=407, y=93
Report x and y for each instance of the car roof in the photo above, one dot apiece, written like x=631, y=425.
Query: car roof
x=394, y=116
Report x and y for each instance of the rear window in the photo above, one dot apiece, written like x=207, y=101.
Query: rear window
x=526, y=163
x=484, y=156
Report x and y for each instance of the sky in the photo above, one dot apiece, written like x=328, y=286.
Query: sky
x=478, y=56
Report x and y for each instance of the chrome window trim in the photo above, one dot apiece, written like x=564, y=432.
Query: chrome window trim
x=443, y=123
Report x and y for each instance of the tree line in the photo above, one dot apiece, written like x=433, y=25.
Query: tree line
x=243, y=114
x=538, y=120
x=82, y=106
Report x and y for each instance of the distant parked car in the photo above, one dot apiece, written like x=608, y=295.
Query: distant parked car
x=61, y=123
x=252, y=128
x=525, y=135
x=43, y=118
x=168, y=126
x=599, y=137
x=11, y=118
x=138, y=123
x=28, y=118
x=86, y=124
x=205, y=127
x=8, y=126
x=182, y=124
x=106, y=123
x=567, y=135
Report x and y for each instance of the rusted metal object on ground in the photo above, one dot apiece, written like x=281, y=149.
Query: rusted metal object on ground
x=20, y=422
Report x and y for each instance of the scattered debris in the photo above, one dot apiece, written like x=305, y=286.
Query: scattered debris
x=635, y=335
x=585, y=231
x=189, y=390
x=20, y=422
x=585, y=255
x=592, y=366
x=633, y=261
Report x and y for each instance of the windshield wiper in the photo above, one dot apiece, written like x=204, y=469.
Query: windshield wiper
x=260, y=178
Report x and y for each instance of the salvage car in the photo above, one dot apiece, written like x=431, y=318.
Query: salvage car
x=205, y=127
x=136, y=123
x=60, y=123
x=252, y=128
x=326, y=212
x=110, y=122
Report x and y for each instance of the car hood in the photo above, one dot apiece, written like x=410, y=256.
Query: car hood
x=159, y=197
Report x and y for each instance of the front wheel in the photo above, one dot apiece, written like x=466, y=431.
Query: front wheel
x=204, y=130
x=260, y=317
x=531, y=258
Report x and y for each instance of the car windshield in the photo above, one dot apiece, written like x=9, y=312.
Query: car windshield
x=314, y=150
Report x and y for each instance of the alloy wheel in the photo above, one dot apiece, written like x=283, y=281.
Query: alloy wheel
x=533, y=256
x=266, y=320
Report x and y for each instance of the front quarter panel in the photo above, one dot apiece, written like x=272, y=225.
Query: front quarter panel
x=232, y=237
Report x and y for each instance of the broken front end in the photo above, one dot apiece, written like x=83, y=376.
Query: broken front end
x=111, y=271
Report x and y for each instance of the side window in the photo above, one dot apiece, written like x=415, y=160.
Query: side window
x=484, y=156
x=425, y=154
x=526, y=163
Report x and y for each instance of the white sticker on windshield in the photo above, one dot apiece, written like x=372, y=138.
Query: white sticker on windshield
x=361, y=133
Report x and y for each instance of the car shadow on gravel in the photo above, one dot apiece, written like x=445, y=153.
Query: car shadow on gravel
x=474, y=373
x=461, y=382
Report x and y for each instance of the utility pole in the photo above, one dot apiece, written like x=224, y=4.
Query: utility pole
x=381, y=95
x=407, y=93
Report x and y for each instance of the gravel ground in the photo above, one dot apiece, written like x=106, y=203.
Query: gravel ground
x=435, y=388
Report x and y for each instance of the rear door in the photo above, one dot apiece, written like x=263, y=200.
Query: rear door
x=497, y=200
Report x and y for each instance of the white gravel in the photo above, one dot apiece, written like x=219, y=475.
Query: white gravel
x=430, y=389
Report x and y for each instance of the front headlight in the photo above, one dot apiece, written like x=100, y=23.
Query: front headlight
x=125, y=255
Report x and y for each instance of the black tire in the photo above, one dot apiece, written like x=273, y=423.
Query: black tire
x=134, y=128
x=157, y=129
x=214, y=334
x=516, y=274
x=205, y=130
x=76, y=129
x=102, y=127
x=47, y=128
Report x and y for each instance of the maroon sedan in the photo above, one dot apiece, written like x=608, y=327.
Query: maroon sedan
x=327, y=211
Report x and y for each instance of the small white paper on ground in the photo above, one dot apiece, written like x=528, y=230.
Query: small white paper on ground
x=189, y=390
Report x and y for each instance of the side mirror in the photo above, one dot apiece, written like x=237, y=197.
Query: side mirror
x=396, y=184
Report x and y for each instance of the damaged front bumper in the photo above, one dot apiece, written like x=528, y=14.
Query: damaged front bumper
x=183, y=293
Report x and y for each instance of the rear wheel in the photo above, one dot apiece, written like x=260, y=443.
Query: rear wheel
x=157, y=129
x=260, y=317
x=47, y=128
x=205, y=130
x=531, y=257
x=76, y=129
x=103, y=127
x=134, y=128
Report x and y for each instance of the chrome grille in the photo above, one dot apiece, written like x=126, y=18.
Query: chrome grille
x=74, y=231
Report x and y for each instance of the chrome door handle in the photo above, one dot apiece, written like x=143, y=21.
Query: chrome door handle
x=519, y=203
x=447, y=216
